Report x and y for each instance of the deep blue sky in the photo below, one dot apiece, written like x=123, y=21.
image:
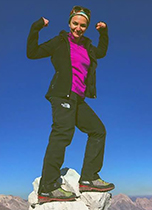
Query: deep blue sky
x=124, y=91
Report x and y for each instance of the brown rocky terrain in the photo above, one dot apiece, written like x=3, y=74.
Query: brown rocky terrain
x=123, y=202
x=9, y=202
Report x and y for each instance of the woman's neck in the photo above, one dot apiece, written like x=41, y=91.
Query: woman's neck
x=74, y=39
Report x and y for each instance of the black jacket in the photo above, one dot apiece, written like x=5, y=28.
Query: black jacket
x=59, y=50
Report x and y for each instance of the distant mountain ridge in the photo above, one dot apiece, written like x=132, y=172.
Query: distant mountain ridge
x=10, y=202
x=124, y=202
x=119, y=202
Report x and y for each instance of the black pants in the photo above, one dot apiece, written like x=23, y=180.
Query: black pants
x=68, y=113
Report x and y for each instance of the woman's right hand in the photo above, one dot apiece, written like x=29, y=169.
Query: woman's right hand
x=46, y=21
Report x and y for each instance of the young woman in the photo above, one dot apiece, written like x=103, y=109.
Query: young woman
x=75, y=60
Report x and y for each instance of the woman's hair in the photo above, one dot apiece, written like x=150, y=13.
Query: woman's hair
x=79, y=10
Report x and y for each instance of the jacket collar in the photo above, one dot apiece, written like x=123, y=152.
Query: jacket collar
x=87, y=42
x=64, y=35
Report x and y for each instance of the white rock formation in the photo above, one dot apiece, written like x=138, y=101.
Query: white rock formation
x=85, y=201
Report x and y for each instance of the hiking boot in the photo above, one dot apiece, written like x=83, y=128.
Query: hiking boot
x=56, y=195
x=97, y=185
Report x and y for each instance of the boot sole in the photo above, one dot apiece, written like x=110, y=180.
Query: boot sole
x=84, y=188
x=42, y=199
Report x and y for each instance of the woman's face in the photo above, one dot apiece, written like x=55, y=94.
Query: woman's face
x=78, y=26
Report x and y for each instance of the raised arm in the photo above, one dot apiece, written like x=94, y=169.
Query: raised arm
x=34, y=50
x=101, y=49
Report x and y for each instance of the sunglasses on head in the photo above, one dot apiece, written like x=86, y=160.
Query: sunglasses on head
x=76, y=9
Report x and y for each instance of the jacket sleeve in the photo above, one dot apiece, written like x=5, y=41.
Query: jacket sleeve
x=101, y=49
x=34, y=50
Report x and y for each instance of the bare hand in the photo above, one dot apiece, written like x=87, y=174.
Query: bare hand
x=100, y=25
x=46, y=21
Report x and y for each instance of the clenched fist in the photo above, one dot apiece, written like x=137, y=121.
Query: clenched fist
x=100, y=25
x=46, y=21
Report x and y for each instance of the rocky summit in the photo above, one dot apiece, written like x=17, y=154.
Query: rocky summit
x=85, y=201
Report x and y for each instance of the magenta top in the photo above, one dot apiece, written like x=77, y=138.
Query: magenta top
x=80, y=63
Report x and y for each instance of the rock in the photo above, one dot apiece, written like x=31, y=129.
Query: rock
x=74, y=205
x=95, y=201
x=85, y=201
x=70, y=180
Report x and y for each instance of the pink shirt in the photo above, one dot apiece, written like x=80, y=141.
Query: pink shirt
x=80, y=63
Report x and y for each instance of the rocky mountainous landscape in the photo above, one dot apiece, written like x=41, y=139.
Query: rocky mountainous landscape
x=119, y=202
x=124, y=202
x=9, y=202
x=84, y=201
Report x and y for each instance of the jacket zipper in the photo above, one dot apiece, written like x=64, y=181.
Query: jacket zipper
x=68, y=47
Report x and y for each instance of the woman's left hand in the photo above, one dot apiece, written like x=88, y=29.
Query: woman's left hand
x=100, y=25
